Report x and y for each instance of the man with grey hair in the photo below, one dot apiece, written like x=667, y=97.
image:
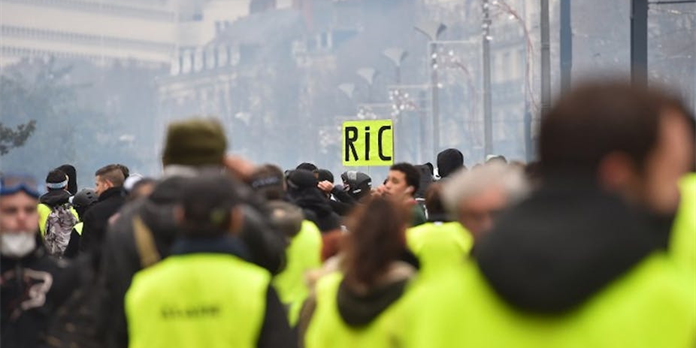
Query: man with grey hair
x=474, y=197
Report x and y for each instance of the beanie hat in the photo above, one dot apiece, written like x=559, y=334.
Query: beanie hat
x=195, y=142
x=307, y=166
x=324, y=175
x=300, y=179
x=448, y=161
x=56, y=180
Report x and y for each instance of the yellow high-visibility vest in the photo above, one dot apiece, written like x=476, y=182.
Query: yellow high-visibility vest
x=647, y=307
x=303, y=254
x=439, y=246
x=327, y=328
x=197, y=300
x=682, y=246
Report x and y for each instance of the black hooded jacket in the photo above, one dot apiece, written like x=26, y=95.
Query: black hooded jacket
x=316, y=208
x=563, y=244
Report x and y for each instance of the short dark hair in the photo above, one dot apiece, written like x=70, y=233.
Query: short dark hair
x=597, y=119
x=57, y=176
x=125, y=170
x=411, y=173
x=113, y=173
x=207, y=202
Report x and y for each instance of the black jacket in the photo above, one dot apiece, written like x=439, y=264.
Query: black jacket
x=316, y=209
x=563, y=244
x=51, y=283
x=54, y=198
x=97, y=218
x=343, y=204
x=120, y=260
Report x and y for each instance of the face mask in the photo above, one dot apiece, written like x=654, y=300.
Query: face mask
x=17, y=244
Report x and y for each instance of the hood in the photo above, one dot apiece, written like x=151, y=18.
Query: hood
x=449, y=161
x=313, y=200
x=359, y=308
x=563, y=244
x=55, y=198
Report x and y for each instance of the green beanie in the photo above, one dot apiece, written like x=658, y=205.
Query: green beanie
x=195, y=142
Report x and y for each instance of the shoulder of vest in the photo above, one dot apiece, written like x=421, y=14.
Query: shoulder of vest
x=169, y=267
x=329, y=281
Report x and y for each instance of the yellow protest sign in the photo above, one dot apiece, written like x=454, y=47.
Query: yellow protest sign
x=368, y=143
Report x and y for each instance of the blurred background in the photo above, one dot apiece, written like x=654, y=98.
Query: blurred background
x=92, y=82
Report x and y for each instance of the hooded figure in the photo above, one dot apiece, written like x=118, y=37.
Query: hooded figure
x=449, y=161
x=70, y=171
x=302, y=188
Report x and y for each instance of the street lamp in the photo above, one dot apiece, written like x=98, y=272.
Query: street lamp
x=528, y=96
x=405, y=101
x=487, y=112
x=396, y=55
x=369, y=75
x=462, y=60
x=347, y=89
x=432, y=31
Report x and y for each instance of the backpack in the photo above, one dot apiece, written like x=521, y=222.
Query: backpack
x=59, y=226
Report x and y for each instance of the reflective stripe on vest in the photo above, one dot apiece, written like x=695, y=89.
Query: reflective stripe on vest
x=78, y=228
x=197, y=300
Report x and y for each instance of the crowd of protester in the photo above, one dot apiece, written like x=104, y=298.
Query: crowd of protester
x=592, y=245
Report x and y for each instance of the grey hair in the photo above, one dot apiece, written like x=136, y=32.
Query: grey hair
x=466, y=184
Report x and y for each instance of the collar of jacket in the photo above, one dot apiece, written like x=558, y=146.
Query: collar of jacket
x=114, y=191
x=177, y=170
x=439, y=218
x=55, y=198
x=217, y=245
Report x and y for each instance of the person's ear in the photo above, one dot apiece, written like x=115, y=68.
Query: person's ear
x=179, y=214
x=409, y=189
x=236, y=220
x=616, y=173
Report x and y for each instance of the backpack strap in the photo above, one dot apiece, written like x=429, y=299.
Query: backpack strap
x=145, y=243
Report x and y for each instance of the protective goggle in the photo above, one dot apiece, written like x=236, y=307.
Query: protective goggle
x=11, y=184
